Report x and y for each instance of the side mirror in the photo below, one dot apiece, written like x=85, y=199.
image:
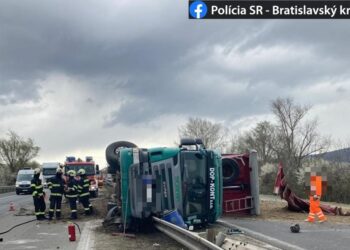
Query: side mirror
x=97, y=169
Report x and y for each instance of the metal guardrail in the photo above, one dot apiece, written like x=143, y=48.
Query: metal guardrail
x=6, y=189
x=184, y=237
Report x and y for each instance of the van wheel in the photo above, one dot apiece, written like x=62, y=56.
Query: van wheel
x=17, y=192
x=112, y=153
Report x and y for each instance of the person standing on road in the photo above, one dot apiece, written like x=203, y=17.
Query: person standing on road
x=56, y=186
x=38, y=195
x=84, y=191
x=72, y=193
x=315, y=198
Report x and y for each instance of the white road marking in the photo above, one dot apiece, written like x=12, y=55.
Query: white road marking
x=47, y=234
x=20, y=242
x=87, y=238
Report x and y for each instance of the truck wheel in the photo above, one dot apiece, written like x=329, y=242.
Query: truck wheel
x=112, y=153
x=230, y=171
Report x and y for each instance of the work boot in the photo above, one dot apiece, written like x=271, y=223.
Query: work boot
x=307, y=220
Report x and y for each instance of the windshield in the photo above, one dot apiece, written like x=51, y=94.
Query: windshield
x=89, y=169
x=49, y=171
x=195, y=183
x=24, y=177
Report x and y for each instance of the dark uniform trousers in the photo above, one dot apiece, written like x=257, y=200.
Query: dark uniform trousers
x=84, y=194
x=56, y=186
x=72, y=196
x=38, y=198
x=55, y=202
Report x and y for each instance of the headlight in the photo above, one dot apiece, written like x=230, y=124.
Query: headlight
x=17, y=185
x=93, y=188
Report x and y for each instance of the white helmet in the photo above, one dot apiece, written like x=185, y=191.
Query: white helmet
x=59, y=170
x=71, y=173
x=37, y=171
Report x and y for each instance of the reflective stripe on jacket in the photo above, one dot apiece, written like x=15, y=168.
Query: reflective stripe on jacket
x=84, y=187
x=72, y=191
x=56, y=186
x=37, y=187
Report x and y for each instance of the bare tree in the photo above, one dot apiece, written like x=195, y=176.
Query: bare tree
x=297, y=138
x=262, y=138
x=16, y=152
x=213, y=134
x=238, y=143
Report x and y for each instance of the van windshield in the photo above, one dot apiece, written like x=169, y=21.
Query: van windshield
x=24, y=177
x=49, y=171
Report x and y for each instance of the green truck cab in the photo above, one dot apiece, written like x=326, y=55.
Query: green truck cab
x=155, y=180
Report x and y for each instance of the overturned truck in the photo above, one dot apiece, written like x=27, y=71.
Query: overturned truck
x=152, y=181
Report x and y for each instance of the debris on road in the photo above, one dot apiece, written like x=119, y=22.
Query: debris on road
x=231, y=231
x=297, y=204
x=295, y=228
x=24, y=212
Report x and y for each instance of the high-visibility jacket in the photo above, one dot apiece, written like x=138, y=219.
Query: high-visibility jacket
x=56, y=186
x=72, y=191
x=315, y=189
x=84, y=187
x=37, y=188
x=316, y=185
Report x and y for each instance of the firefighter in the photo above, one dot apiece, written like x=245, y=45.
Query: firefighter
x=72, y=193
x=84, y=191
x=315, y=197
x=38, y=195
x=56, y=186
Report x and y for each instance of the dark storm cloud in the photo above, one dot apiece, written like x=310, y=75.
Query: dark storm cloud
x=169, y=65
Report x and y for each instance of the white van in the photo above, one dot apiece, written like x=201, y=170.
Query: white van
x=48, y=171
x=23, y=181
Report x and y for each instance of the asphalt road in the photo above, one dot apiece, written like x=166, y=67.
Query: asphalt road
x=312, y=236
x=34, y=235
x=18, y=200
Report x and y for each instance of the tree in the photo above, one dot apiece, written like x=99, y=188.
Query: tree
x=261, y=138
x=297, y=138
x=16, y=152
x=212, y=134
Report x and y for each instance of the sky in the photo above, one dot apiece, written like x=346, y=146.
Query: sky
x=78, y=75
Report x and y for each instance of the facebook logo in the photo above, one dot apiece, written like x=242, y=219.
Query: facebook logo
x=198, y=9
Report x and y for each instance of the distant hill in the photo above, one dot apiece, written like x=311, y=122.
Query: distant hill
x=340, y=155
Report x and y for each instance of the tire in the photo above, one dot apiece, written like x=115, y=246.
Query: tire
x=112, y=153
x=17, y=192
x=230, y=171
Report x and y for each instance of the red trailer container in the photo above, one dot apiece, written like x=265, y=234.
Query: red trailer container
x=239, y=184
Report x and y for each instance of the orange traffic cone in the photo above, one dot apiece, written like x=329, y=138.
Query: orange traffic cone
x=12, y=206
